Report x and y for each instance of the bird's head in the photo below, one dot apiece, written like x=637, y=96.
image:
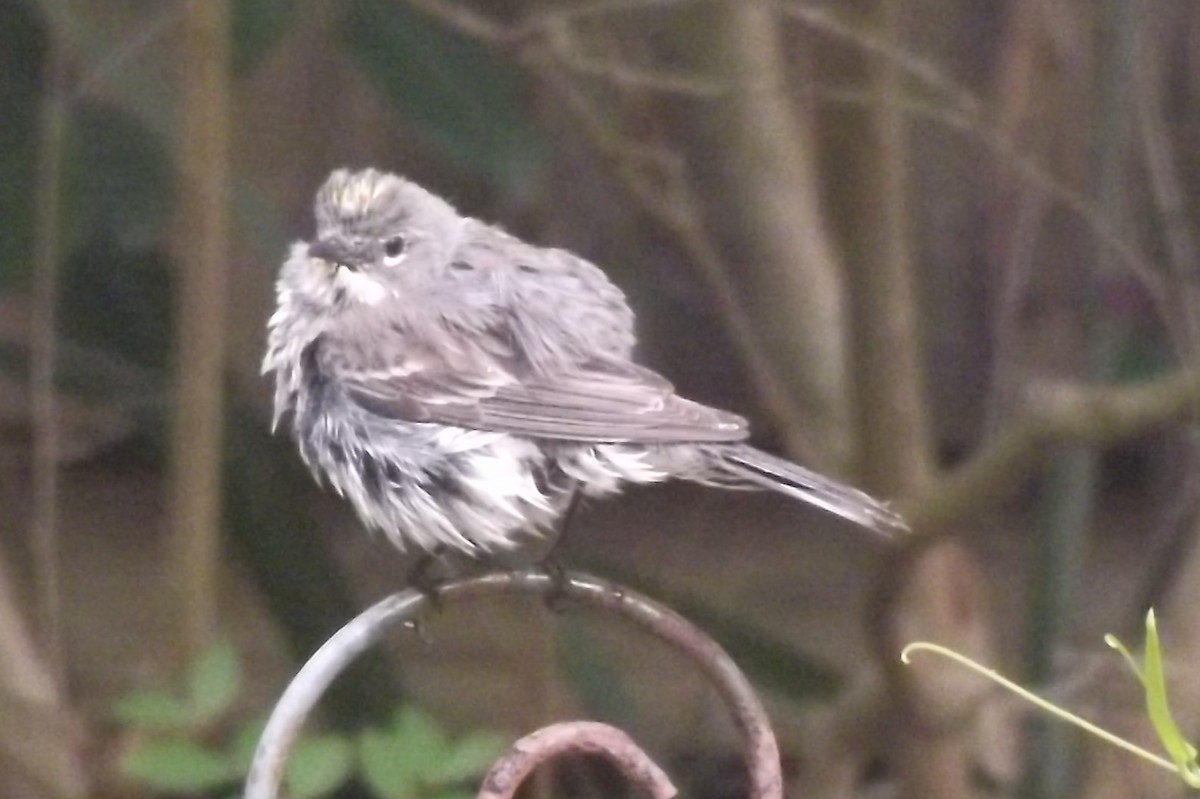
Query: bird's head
x=377, y=235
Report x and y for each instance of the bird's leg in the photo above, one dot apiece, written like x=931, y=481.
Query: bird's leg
x=550, y=562
x=564, y=525
x=421, y=576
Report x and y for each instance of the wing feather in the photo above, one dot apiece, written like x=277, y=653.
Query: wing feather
x=605, y=399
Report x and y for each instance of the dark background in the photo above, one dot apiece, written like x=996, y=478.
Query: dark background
x=944, y=250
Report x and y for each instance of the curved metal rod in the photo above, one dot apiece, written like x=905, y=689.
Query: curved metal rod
x=283, y=727
x=577, y=737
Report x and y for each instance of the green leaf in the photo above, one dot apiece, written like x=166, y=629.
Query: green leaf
x=177, y=766
x=416, y=731
x=398, y=759
x=319, y=765
x=1182, y=753
x=258, y=25
x=1154, y=683
x=155, y=710
x=391, y=770
x=465, y=100
x=215, y=680
x=449, y=793
x=469, y=757
x=244, y=744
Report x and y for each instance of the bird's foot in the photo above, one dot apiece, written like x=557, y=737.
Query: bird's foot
x=556, y=598
x=423, y=577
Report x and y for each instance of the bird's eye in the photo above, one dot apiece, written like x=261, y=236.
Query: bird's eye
x=395, y=246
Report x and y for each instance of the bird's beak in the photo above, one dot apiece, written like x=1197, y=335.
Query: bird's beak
x=335, y=251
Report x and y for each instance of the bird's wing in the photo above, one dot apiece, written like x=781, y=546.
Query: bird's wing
x=605, y=399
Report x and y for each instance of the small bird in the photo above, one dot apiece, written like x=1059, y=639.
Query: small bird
x=460, y=386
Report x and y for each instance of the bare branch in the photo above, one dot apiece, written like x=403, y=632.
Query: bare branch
x=789, y=269
x=203, y=248
x=463, y=20
x=881, y=287
x=574, y=737
x=928, y=73
x=283, y=727
x=1008, y=152
x=1057, y=414
x=670, y=201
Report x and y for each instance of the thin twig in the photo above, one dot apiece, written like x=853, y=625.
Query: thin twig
x=677, y=210
x=1170, y=200
x=926, y=72
x=283, y=727
x=674, y=207
x=43, y=356
x=574, y=737
x=459, y=18
x=627, y=76
x=1008, y=153
x=131, y=46
x=965, y=115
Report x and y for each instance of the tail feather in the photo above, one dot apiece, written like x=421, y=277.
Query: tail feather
x=767, y=471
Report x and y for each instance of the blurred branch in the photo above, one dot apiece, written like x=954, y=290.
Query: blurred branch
x=554, y=24
x=789, y=271
x=1055, y=414
x=131, y=47
x=574, y=737
x=43, y=522
x=1007, y=152
x=870, y=199
x=670, y=201
x=1067, y=508
x=300, y=697
x=466, y=21
x=886, y=50
x=198, y=429
x=792, y=349
x=894, y=450
x=107, y=57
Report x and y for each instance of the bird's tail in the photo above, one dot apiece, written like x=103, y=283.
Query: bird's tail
x=767, y=471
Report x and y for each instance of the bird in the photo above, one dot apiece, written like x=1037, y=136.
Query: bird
x=461, y=387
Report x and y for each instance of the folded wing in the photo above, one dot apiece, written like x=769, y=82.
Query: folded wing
x=603, y=400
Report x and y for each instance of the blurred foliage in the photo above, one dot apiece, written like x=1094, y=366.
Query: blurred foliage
x=413, y=759
x=119, y=300
x=467, y=101
x=182, y=742
x=258, y=25
x=119, y=181
x=210, y=686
